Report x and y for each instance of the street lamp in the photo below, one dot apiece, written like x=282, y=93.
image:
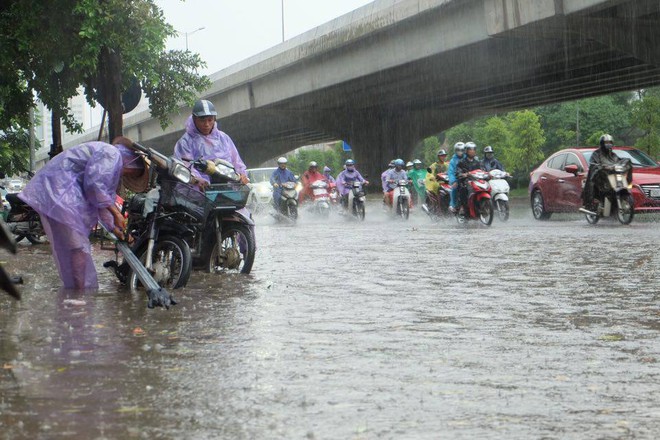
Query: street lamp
x=282, y=21
x=190, y=33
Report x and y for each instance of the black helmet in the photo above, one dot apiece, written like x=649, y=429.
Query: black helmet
x=606, y=142
x=203, y=108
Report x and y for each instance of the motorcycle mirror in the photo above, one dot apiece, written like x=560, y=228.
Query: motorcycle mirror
x=428, y=170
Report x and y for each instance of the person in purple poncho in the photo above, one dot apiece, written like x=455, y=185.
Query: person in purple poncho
x=74, y=191
x=203, y=140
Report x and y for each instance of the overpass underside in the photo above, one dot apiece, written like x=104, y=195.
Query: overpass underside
x=564, y=57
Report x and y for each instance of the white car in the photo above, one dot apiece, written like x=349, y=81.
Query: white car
x=261, y=191
x=15, y=185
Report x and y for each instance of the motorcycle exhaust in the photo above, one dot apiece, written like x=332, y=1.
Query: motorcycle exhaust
x=426, y=209
x=586, y=211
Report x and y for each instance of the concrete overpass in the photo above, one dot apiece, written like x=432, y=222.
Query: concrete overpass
x=395, y=71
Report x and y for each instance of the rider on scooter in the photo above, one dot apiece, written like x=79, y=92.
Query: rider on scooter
x=310, y=176
x=417, y=175
x=392, y=178
x=489, y=162
x=327, y=175
x=469, y=163
x=459, y=149
x=345, y=180
x=436, y=168
x=280, y=176
x=600, y=159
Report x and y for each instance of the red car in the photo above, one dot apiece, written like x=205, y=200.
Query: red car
x=556, y=185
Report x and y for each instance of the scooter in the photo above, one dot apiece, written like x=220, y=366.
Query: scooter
x=500, y=193
x=356, y=199
x=320, y=203
x=613, y=195
x=479, y=206
x=437, y=205
x=333, y=195
x=401, y=199
x=24, y=222
x=8, y=283
x=287, y=206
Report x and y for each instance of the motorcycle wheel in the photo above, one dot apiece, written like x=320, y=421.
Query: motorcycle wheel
x=403, y=209
x=292, y=212
x=486, y=212
x=172, y=264
x=626, y=212
x=235, y=253
x=503, y=210
x=359, y=210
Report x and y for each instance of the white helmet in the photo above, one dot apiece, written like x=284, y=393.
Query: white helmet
x=409, y=164
x=459, y=146
x=313, y=164
x=282, y=160
x=471, y=146
x=417, y=161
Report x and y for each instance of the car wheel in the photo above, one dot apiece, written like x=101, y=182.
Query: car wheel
x=538, y=207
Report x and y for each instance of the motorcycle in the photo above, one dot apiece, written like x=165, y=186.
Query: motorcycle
x=333, y=195
x=224, y=240
x=288, y=204
x=23, y=221
x=401, y=198
x=356, y=199
x=7, y=283
x=479, y=204
x=613, y=195
x=320, y=204
x=154, y=226
x=500, y=193
x=437, y=205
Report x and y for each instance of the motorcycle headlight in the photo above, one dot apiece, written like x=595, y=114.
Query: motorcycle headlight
x=181, y=173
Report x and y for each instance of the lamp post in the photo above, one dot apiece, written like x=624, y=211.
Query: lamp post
x=282, y=21
x=190, y=33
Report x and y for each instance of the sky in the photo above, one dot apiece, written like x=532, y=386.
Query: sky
x=237, y=29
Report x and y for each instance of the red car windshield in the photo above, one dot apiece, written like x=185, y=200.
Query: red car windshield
x=637, y=157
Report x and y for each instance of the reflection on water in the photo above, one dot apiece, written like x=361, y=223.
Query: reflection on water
x=353, y=330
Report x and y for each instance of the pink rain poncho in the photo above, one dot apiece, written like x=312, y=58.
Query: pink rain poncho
x=71, y=193
x=193, y=145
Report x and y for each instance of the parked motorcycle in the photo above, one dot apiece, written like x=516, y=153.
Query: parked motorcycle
x=320, y=203
x=24, y=222
x=224, y=240
x=401, y=198
x=8, y=283
x=356, y=199
x=479, y=206
x=613, y=194
x=155, y=226
x=437, y=205
x=500, y=193
x=288, y=203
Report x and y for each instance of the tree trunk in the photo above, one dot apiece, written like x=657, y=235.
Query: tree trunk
x=56, y=128
x=110, y=74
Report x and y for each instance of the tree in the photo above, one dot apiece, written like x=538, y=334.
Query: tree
x=645, y=115
x=101, y=44
x=14, y=150
x=527, y=138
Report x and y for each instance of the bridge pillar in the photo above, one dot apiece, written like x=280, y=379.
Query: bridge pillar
x=378, y=139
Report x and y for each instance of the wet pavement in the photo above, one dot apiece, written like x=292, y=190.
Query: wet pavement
x=348, y=330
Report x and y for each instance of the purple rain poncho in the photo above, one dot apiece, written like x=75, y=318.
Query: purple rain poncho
x=194, y=145
x=348, y=176
x=71, y=193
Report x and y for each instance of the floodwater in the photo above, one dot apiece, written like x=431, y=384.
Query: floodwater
x=348, y=330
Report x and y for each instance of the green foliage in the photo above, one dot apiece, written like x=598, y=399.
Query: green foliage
x=54, y=47
x=334, y=158
x=645, y=115
x=527, y=138
x=14, y=150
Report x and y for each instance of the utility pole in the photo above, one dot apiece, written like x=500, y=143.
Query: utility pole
x=577, y=126
x=31, y=137
x=282, y=21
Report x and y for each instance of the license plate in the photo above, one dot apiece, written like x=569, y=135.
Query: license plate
x=319, y=191
x=655, y=193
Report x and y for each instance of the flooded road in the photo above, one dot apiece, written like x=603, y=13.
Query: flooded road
x=347, y=330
